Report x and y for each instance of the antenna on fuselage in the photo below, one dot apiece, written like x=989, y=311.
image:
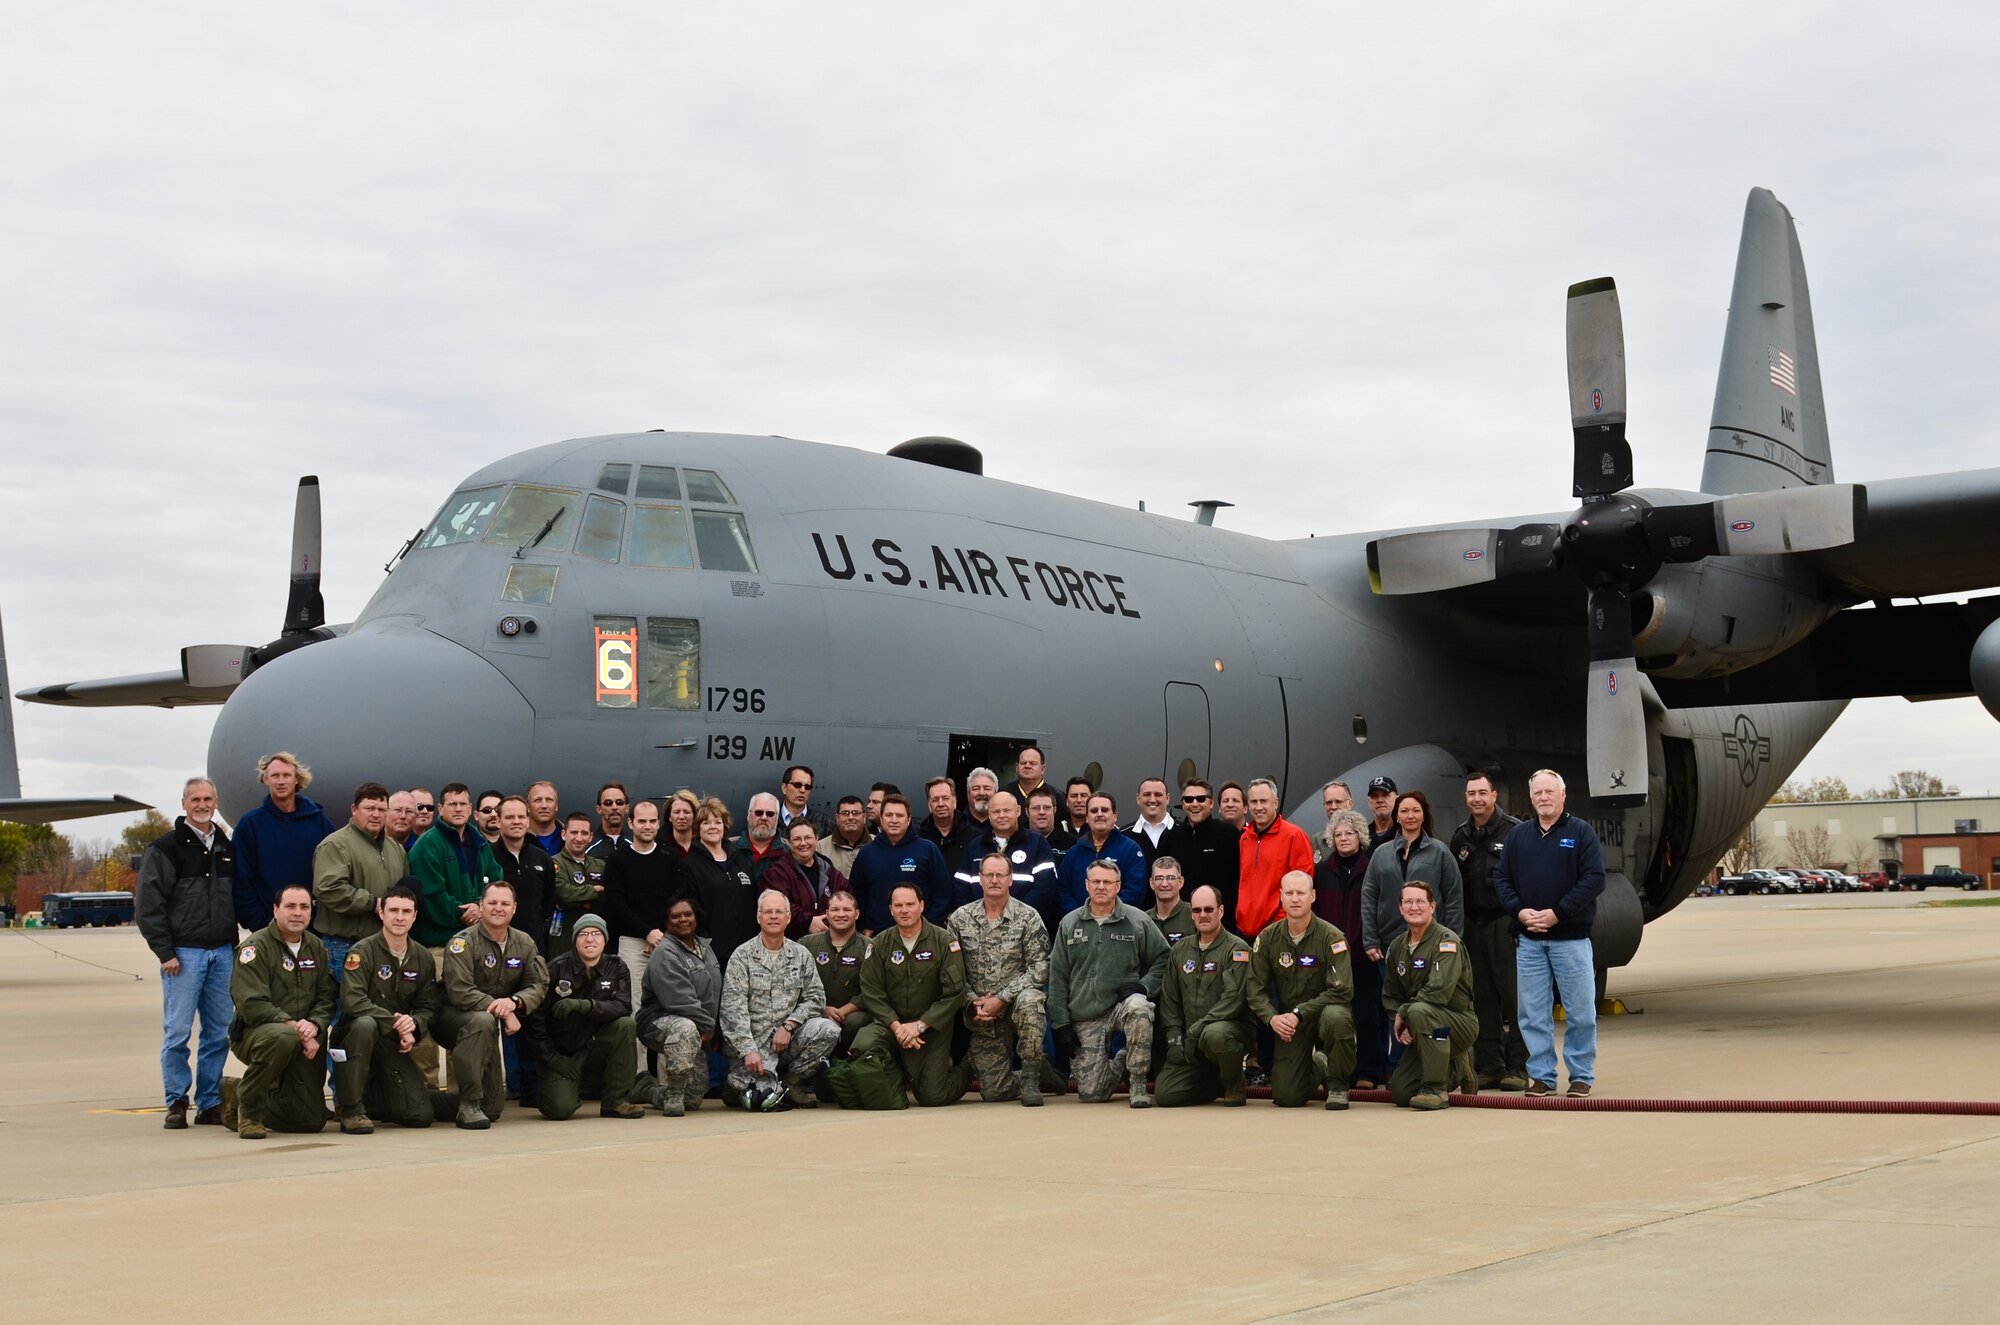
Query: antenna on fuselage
x=1204, y=511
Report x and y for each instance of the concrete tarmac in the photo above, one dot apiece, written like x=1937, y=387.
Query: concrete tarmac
x=1078, y=1212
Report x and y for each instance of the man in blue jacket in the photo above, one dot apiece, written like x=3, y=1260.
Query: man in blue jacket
x=899, y=856
x=275, y=841
x=1548, y=877
x=1103, y=840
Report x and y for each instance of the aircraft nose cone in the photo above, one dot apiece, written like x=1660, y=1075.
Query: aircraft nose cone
x=393, y=704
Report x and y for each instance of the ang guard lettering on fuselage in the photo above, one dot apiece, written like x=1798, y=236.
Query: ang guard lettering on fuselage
x=977, y=573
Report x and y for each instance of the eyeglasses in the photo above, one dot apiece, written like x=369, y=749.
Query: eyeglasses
x=763, y=814
x=613, y=805
x=490, y=809
x=1203, y=910
x=802, y=786
x=1194, y=800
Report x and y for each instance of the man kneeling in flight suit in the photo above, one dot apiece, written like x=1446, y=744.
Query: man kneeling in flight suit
x=913, y=984
x=493, y=980
x=1204, y=1012
x=1427, y=984
x=584, y=1036
x=388, y=999
x=1304, y=962
x=1105, y=968
x=284, y=1000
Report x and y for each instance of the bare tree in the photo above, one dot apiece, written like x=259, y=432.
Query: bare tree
x=1809, y=846
x=1910, y=784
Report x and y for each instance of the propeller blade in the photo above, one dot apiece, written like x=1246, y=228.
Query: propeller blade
x=1434, y=559
x=1614, y=715
x=1596, y=337
x=305, y=610
x=1759, y=523
x=210, y=666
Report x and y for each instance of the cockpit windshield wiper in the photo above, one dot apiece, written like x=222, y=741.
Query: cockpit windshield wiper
x=536, y=540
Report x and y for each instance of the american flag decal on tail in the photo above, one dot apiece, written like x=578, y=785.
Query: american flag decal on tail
x=1784, y=373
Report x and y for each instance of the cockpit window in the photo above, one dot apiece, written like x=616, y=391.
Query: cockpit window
x=603, y=529
x=462, y=518
x=615, y=478
x=659, y=538
x=723, y=539
x=529, y=582
x=539, y=516
x=707, y=485
x=659, y=482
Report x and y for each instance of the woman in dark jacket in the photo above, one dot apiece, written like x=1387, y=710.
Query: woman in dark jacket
x=726, y=894
x=1337, y=889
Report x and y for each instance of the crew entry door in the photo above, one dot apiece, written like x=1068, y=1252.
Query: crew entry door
x=1186, y=755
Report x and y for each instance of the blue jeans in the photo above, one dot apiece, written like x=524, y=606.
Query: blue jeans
x=1564, y=965
x=202, y=988
x=336, y=959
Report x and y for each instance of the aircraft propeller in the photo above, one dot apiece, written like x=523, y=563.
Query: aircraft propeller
x=1614, y=542
x=305, y=609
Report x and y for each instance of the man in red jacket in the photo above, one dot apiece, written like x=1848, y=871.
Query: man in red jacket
x=1271, y=847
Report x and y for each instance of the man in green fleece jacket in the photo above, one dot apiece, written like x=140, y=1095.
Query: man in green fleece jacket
x=1105, y=969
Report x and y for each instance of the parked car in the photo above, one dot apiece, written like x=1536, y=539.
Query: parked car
x=1875, y=881
x=1944, y=876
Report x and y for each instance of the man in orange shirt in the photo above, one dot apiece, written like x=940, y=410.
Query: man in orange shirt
x=1271, y=847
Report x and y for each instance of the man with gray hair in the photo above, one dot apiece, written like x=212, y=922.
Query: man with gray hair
x=186, y=915
x=1006, y=951
x=774, y=1027
x=1548, y=877
x=1104, y=975
x=980, y=784
x=1334, y=797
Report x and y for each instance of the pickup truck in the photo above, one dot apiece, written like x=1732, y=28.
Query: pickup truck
x=1944, y=876
x=1754, y=881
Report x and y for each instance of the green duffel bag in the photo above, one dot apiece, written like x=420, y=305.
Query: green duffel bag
x=872, y=1081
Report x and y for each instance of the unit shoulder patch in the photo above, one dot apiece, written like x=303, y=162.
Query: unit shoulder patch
x=353, y=961
x=248, y=955
x=456, y=945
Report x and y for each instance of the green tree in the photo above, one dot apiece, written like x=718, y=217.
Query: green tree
x=27, y=849
x=137, y=837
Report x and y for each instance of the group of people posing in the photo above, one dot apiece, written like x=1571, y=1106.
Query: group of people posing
x=1026, y=941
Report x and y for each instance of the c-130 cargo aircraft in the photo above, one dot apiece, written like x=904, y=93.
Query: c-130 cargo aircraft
x=686, y=609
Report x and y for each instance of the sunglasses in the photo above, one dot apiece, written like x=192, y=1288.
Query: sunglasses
x=1194, y=800
x=802, y=786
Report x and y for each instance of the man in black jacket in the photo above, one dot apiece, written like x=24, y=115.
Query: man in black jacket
x=1500, y=1054
x=188, y=918
x=1205, y=846
x=584, y=1034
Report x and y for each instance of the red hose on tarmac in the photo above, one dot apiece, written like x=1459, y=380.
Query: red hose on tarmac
x=1602, y=1104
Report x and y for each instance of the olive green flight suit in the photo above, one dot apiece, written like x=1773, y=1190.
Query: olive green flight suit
x=1173, y=929
x=281, y=1087
x=840, y=972
x=577, y=893
x=1309, y=975
x=1429, y=984
x=476, y=971
x=922, y=981
x=376, y=986
x=1205, y=1018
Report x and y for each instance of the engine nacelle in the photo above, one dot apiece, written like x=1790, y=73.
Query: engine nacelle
x=1718, y=616
x=1986, y=668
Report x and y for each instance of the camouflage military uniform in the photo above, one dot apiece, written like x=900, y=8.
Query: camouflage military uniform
x=923, y=980
x=840, y=972
x=1006, y=958
x=577, y=890
x=1311, y=976
x=477, y=971
x=1088, y=963
x=679, y=1003
x=273, y=988
x=1205, y=1019
x=1429, y=984
x=376, y=1075
x=762, y=992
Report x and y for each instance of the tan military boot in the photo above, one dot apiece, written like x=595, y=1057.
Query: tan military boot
x=1430, y=1100
x=354, y=1122
x=622, y=1109
x=471, y=1117
x=250, y=1129
x=1466, y=1078
x=229, y=1103
x=1235, y=1093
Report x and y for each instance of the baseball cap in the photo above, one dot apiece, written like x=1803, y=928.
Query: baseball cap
x=1382, y=784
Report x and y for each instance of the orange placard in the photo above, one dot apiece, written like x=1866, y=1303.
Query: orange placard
x=617, y=655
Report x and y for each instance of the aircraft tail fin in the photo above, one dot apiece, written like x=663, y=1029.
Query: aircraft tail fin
x=1768, y=428
x=10, y=758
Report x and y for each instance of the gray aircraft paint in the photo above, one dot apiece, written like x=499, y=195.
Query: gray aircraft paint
x=896, y=604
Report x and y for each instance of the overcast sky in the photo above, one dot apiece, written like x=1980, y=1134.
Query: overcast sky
x=1121, y=248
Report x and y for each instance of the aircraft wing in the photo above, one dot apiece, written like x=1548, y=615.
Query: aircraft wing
x=158, y=689
x=17, y=810
x=1922, y=537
